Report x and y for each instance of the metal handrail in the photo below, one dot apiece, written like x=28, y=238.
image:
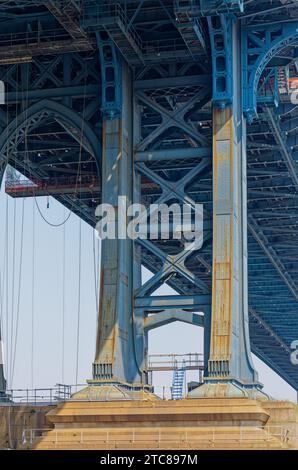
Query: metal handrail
x=175, y=360
x=115, y=11
x=29, y=38
x=162, y=45
x=61, y=392
x=122, y=16
x=210, y=435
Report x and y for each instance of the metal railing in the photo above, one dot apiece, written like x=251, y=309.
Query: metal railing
x=33, y=38
x=101, y=13
x=268, y=90
x=115, y=11
x=61, y=393
x=189, y=361
x=185, y=5
x=157, y=437
x=14, y=185
x=36, y=396
x=159, y=47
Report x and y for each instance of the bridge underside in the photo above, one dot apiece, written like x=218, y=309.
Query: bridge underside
x=157, y=82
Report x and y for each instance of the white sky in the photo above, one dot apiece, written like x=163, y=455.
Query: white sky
x=48, y=304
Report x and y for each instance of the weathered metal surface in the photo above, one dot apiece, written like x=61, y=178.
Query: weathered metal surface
x=114, y=359
x=230, y=355
x=172, y=120
x=223, y=213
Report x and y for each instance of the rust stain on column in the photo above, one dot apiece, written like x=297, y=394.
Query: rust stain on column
x=221, y=322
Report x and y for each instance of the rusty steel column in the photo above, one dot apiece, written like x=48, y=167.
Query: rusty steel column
x=230, y=368
x=115, y=360
x=229, y=343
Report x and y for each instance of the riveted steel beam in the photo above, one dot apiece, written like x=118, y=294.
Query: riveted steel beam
x=260, y=43
x=229, y=347
x=164, y=318
x=172, y=82
x=173, y=154
x=156, y=303
x=115, y=359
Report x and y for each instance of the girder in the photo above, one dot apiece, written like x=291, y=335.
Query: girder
x=172, y=70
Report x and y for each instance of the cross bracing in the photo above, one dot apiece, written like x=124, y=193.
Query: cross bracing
x=53, y=87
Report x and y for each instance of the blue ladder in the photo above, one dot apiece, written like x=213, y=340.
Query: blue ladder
x=178, y=382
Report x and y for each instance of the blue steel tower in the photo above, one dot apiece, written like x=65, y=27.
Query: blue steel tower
x=172, y=101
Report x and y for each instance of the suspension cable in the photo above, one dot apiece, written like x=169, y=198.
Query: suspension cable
x=6, y=286
x=78, y=170
x=79, y=301
x=95, y=272
x=12, y=287
x=63, y=298
x=47, y=221
x=33, y=297
x=19, y=289
x=14, y=326
x=1, y=300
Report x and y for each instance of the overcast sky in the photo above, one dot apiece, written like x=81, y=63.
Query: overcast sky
x=45, y=316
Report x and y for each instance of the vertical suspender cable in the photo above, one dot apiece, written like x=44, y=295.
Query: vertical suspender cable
x=33, y=296
x=2, y=277
x=1, y=309
x=79, y=300
x=95, y=272
x=12, y=287
x=63, y=298
x=4, y=272
x=19, y=289
x=6, y=287
x=13, y=264
x=80, y=240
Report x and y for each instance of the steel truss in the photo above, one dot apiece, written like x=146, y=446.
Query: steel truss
x=169, y=117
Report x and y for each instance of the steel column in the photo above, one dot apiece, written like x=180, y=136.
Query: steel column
x=115, y=360
x=229, y=348
x=229, y=361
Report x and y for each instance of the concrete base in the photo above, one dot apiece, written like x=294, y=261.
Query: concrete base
x=209, y=423
x=17, y=421
x=283, y=414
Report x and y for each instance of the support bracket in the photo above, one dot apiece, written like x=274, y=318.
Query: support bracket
x=111, y=77
x=260, y=43
x=209, y=7
x=220, y=30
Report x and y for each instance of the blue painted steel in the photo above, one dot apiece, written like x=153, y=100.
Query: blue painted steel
x=261, y=43
x=178, y=382
x=268, y=91
x=220, y=30
x=173, y=119
x=210, y=7
x=110, y=76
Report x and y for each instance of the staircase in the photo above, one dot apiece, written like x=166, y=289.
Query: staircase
x=67, y=13
x=114, y=21
x=178, y=382
x=190, y=29
x=283, y=80
x=268, y=91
